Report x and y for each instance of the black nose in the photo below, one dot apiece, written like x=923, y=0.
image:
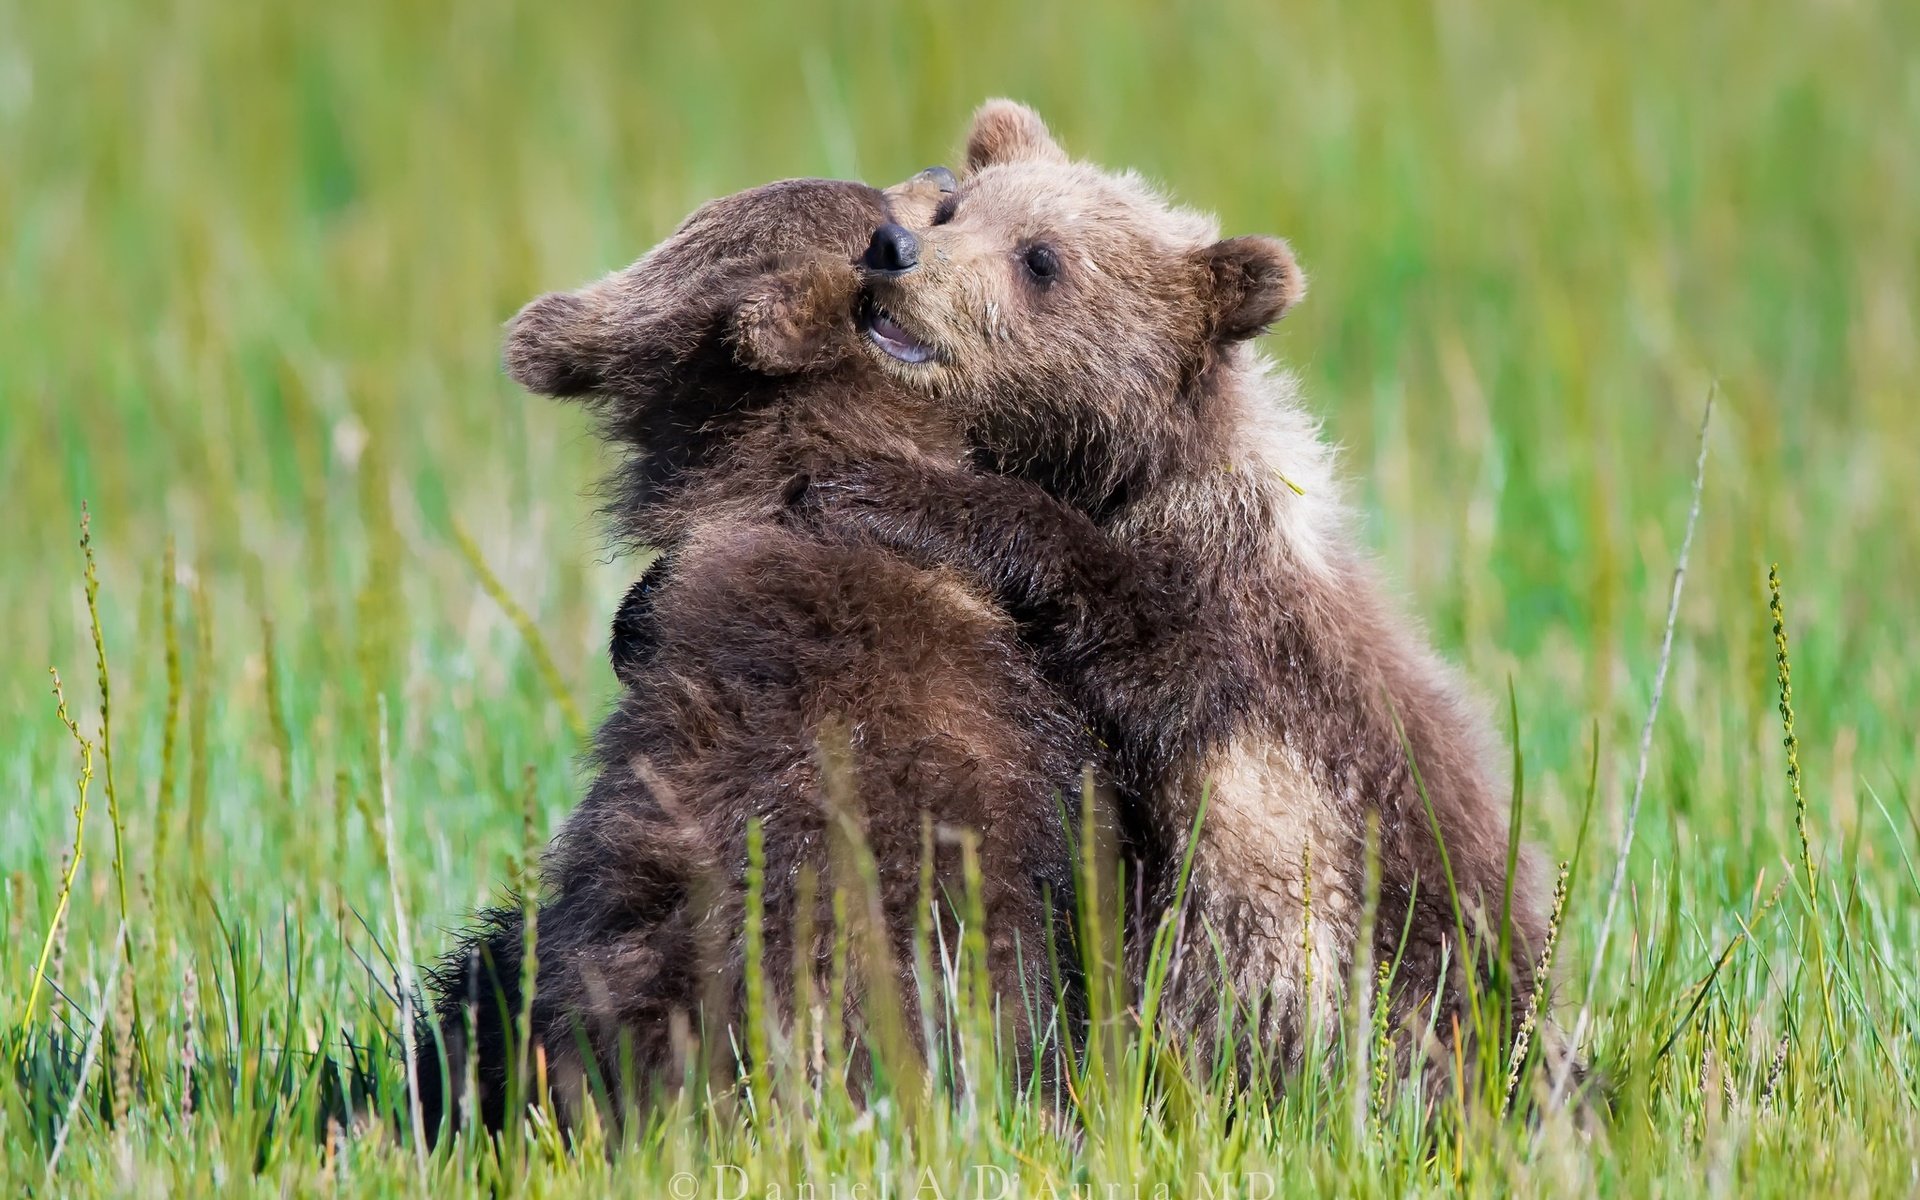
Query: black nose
x=893, y=249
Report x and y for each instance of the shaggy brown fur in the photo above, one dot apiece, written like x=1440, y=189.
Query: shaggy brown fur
x=726, y=363
x=1164, y=521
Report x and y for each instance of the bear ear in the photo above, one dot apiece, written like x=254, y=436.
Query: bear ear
x=1005, y=131
x=797, y=317
x=554, y=346
x=1248, y=283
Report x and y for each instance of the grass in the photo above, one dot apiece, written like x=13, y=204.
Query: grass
x=256, y=258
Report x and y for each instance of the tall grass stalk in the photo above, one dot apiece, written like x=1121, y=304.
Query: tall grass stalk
x=1543, y=975
x=528, y=886
x=163, y=797
x=408, y=991
x=108, y=997
x=198, y=720
x=760, y=1090
x=71, y=867
x=1783, y=664
x=114, y=816
x=277, y=725
x=1629, y=822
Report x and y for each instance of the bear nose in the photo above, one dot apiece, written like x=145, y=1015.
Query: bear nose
x=893, y=249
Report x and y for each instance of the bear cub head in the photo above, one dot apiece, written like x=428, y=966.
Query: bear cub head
x=754, y=283
x=749, y=304
x=1061, y=309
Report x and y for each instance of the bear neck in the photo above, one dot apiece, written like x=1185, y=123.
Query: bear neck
x=1118, y=454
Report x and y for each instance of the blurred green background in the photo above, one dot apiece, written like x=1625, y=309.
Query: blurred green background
x=256, y=258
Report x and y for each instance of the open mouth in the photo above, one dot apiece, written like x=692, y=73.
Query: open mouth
x=893, y=338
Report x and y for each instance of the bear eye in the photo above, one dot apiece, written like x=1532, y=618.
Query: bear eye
x=945, y=211
x=1042, y=263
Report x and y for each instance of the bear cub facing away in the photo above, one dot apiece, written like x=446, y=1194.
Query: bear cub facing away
x=727, y=365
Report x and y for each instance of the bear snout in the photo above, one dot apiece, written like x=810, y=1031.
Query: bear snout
x=894, y=250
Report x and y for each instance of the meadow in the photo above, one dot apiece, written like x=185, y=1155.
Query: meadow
x=350, y=596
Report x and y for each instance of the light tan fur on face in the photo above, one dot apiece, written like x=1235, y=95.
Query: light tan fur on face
x=1143, y=297
x=1122, y=251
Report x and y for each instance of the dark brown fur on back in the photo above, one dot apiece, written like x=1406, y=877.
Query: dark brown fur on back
x=723, y=362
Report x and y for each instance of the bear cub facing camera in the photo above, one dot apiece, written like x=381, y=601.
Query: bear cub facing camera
x=805, y=678
x=1163, y=519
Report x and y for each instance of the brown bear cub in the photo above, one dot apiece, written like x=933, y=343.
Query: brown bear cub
x=807, y=679
x=1163, y=519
